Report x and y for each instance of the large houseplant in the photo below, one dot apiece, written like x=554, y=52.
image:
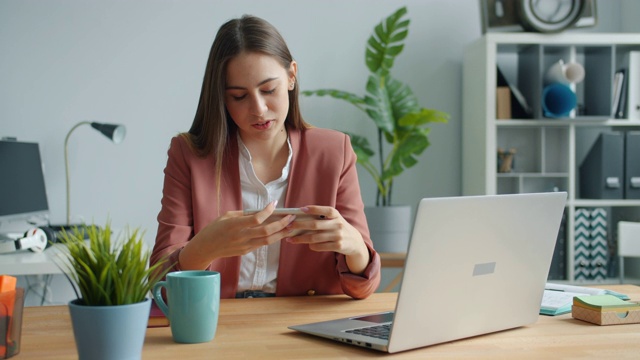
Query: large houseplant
x=401, y=124
x=393, y=107
x=111, y=312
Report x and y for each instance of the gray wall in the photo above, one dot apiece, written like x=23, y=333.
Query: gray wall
x=140, y=63
x=629, y=16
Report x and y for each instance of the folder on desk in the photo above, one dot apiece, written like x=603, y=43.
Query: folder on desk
x=632, y=165
x=601, y=172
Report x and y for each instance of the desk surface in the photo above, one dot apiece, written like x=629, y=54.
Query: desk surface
x=27, y=262
x=257, y=328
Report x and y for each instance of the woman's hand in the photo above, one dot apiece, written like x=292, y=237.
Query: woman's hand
x=233, y=234
x=331, y=232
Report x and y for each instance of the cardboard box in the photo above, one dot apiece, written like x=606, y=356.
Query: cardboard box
x=605, y=317
x=503, y=102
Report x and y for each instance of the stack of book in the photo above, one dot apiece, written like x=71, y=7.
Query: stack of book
x=626, y=88
x=156, y=317
x=558, y=298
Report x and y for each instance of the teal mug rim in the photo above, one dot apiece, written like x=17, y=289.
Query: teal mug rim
x=192, y=273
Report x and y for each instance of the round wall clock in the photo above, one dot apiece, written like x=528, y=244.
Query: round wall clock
x=549, y=16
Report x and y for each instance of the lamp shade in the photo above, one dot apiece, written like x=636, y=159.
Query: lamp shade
x=115, y=132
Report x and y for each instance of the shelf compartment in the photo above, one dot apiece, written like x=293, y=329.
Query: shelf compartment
x=514, y=183
x=594, y=92
x=537, y=149
x=511, y=59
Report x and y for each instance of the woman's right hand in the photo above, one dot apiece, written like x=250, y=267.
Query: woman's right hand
x=233, y=234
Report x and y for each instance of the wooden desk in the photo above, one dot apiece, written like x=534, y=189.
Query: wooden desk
x=257, y=329
x=393, y=260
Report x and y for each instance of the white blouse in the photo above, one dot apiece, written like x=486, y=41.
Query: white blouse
x=259, y=268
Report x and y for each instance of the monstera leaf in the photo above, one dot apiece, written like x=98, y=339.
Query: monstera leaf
x=392, y=106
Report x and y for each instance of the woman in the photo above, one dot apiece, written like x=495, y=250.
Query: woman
x=248, y=147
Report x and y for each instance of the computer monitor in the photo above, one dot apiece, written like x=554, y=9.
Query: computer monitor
x=22, y=189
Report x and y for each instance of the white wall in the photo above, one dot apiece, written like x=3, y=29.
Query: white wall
x=140, y=63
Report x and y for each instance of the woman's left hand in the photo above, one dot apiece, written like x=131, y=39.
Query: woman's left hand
x=331, y=232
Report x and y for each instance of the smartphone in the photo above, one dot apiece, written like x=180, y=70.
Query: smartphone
x=282, y=212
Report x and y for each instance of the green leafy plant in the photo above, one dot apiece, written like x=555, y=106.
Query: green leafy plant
x=392, y=106
x=109, y=273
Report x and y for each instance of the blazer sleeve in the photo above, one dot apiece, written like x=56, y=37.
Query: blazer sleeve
x=349, y=204
x=323, y=172
x=175, y=223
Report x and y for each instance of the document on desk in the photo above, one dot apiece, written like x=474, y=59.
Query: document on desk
x=558, y=298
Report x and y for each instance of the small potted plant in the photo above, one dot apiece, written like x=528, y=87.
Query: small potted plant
x=401, y=123
x=111, y=281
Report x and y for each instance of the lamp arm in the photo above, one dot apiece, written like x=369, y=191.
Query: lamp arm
x=66, y=165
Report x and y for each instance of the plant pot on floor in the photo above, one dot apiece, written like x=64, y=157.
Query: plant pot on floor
x=390, y=227
x=109, y=332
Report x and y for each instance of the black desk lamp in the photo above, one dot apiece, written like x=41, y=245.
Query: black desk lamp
x=114, y=132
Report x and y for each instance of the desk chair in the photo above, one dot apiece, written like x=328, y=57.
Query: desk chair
x=628, y=243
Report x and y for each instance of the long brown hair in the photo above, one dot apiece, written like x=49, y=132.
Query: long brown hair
x=212, y=126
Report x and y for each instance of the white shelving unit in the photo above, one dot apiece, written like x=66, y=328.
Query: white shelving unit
x=549, y=151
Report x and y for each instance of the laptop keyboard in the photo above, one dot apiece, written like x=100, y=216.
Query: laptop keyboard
x=377, y=331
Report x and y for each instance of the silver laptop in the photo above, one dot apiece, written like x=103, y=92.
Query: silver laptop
x=475, y=265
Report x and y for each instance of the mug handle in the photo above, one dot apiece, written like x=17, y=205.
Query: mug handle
x=157, y=295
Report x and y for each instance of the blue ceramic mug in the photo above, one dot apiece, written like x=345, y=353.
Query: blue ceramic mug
x=193, y=304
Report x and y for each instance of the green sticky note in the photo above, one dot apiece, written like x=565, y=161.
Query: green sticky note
x=604, y=302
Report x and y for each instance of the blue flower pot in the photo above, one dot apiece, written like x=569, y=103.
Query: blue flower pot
x=109, y=332
x=390, y=227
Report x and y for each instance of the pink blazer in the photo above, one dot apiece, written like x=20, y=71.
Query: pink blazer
x=323, y=172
